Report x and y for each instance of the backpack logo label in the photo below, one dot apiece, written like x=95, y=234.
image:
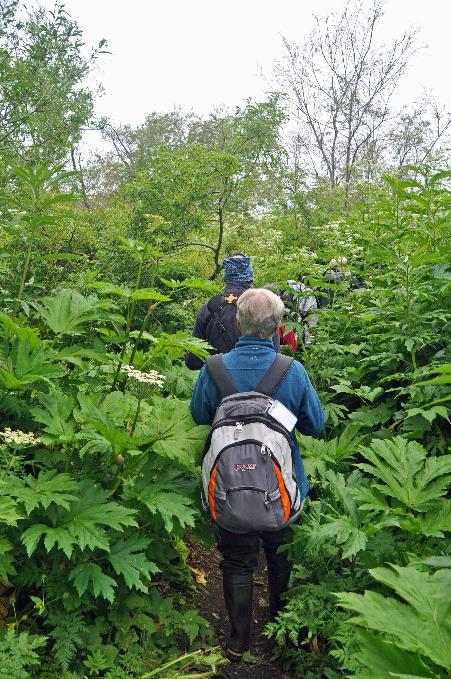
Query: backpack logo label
x=245, y=467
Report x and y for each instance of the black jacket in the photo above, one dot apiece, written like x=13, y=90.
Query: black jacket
x=207, y=330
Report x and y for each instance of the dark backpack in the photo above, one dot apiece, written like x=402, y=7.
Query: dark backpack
x=248, y=469
x=222, y=330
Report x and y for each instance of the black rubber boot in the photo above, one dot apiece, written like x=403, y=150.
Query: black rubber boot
x=238, y=600
x=278, y=578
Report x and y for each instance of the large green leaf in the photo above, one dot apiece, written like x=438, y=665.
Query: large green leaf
x=68, y=312
x=83, y=525
x=193, y=284
x=175, y=434
x=176, y=345
x=84, y=356
x=25, y=362
x=370, y=416
x=86, y=574
x=429, y=414
x=128, y=559
x=421, y=625
x=56, y=416
x=105, y=438
x=341, y=519
x=435, y=522
x=48, y=488
x=346, y=533
x=404, y=472
x=444, y=375
x=384, y=661
x=6, y=559
x=118, y=407
x=320, y=454
x=10, y=512
x=161, y=497
x=150, y=295
x=108, y=288
x=9, y=326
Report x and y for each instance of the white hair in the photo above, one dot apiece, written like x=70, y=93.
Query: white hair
x=259, y=312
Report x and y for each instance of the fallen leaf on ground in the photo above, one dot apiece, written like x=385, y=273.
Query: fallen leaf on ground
x=200, y=575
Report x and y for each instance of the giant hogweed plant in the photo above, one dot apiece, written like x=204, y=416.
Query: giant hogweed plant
x=35, y=204
x=381, y=363
x=406, y=636
x=394, y=512
x=97, y=487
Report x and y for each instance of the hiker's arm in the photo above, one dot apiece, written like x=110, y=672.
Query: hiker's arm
x=310, y=415
x=191, y=361
x=205, y=399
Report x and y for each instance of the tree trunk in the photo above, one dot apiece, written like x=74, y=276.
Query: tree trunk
x=82, y=181
x=217, y=251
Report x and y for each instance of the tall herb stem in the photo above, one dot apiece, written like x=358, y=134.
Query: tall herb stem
x=23, y=277
x=130, y=315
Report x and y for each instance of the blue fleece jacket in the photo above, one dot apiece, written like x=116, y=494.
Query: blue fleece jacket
x=247, y=364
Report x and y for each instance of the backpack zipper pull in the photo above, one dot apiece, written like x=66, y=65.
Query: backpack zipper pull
x=238, y=428
x=266, y=501
x=265, y=451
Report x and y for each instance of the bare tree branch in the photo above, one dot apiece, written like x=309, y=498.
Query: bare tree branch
x=338, y=83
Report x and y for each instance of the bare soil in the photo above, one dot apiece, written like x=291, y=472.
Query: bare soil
x=209, y=601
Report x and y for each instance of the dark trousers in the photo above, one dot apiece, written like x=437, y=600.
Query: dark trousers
x=239, y=560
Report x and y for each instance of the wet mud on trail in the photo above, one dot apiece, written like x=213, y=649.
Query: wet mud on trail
x=209, y=601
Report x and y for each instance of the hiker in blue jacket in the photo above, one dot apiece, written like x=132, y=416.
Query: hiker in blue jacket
x=259, y=312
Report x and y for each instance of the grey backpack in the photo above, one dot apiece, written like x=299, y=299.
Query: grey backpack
x=248, y=472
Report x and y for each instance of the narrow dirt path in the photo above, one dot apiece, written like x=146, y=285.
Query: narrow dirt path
x=209, y=601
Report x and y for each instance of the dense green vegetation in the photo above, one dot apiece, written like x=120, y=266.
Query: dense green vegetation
x=102, y=269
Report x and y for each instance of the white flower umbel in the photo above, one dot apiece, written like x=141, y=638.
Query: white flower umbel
x=152, y=377
x=18, y=437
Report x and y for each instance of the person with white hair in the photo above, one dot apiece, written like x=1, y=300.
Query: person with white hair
x=246, y=368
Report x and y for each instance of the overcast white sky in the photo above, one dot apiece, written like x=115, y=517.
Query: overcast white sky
x=203, y=53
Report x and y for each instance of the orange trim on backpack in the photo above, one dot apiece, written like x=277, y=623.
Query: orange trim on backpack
x=284, y=497
x=211, y=493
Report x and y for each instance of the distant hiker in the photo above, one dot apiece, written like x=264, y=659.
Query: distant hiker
x=302, y=307
x=299, y=309
x=253, y=476
x=288, y=338
x=216, y=319
x=335, y=273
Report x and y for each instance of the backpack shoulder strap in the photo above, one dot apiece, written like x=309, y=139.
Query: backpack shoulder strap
x=275, y=374
x=215, y=304
x=220, y=376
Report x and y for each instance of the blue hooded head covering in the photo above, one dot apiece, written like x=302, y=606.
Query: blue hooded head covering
x=238, y=269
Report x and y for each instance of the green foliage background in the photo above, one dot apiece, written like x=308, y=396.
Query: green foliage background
x=102, y=271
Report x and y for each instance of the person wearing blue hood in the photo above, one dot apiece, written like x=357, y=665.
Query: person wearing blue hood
x=216, y=319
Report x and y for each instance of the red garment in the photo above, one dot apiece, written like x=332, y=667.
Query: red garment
x=289, y=338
